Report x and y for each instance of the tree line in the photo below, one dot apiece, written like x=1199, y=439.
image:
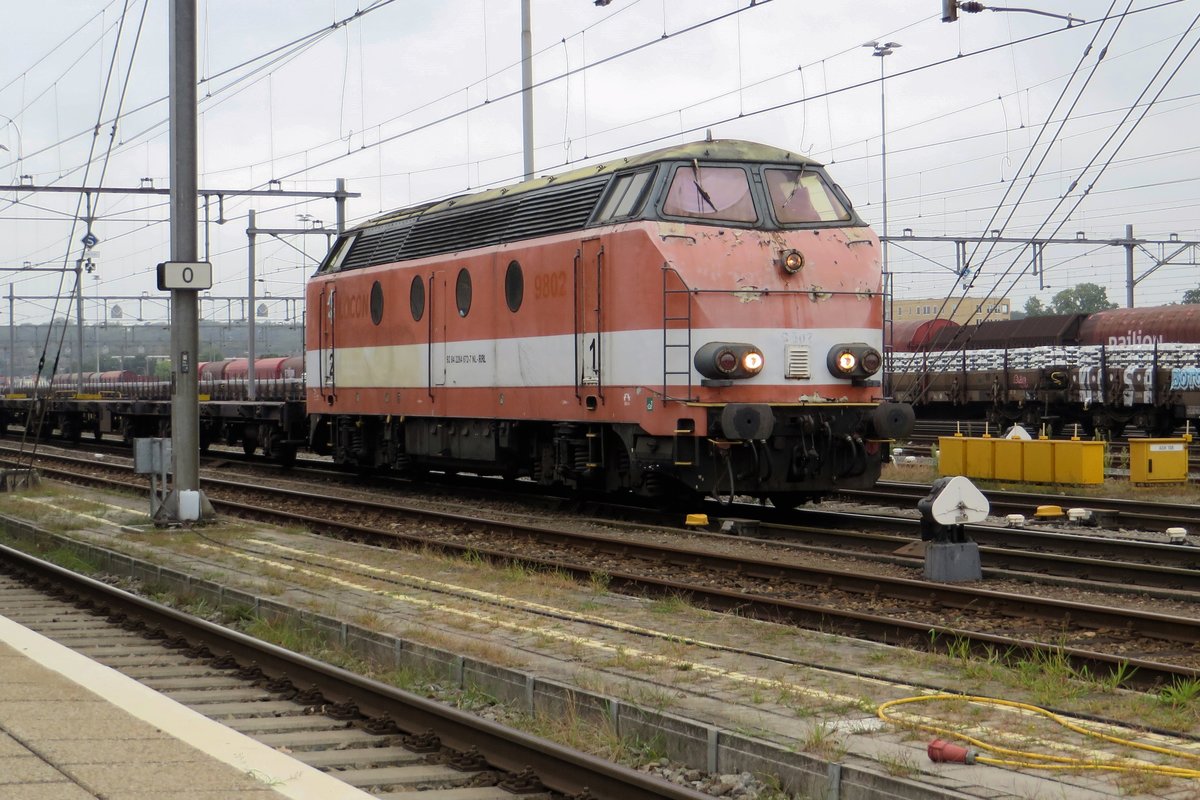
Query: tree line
x=1086, y=298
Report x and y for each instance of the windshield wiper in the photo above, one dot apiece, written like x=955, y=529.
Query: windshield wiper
x=699, y=188
x=796, y=188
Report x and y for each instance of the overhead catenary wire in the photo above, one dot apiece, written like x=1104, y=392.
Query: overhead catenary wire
x=67, y=255
x=1033, y=147
x=628, y=51
x=1103, y=168
x=712, y=122
x=992, y=293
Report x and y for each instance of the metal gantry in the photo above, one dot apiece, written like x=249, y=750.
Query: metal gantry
x=1171, y=251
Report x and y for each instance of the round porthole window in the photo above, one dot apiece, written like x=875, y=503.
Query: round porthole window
x=514, y=286
x=376, y=303
x=416, y=297
x=462, y=292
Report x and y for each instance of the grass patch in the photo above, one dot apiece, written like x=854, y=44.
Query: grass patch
x=1181, y=693
x=823, y=740
x=69, y=558
x=287, y=632
x=600, y=582
x=669, y=604
x=900, y=766
x=591, y=732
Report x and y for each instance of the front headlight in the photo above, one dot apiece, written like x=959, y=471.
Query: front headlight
x=855, y=360
x=728, y=360
x=791, y=261
x=752, y=362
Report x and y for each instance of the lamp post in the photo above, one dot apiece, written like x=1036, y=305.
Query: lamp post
x=882, y=51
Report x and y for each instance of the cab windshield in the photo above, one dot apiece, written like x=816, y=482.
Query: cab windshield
x=800, y=196
x=717, y=193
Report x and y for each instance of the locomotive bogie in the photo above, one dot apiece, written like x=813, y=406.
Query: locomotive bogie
x=819, y=449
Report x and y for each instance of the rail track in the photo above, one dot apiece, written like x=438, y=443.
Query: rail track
x=1122, y=562
x=1116, y=564
x=1160, y=646
x=1117, y=513
x=368, y=734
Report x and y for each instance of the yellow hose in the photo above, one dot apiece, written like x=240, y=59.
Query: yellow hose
x=1032, y=760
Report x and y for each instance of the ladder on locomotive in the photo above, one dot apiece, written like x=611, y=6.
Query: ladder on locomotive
x=677, y=359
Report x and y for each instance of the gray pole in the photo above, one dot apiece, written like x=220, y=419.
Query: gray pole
x=250, y=382
x=79, y=319
x=12, y=340
x=1129, y=266
x=527, y=87
x=339, y=202
x=185, y=332
x=96, y=326
x=887, y=277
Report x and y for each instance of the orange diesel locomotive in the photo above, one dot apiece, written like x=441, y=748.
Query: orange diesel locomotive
x=702, y=318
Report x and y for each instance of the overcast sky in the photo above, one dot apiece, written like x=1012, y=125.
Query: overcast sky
x=415, y=100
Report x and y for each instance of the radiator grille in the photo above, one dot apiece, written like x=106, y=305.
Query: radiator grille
x=797, y=362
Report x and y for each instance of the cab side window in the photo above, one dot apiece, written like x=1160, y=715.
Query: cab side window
x=626, y=195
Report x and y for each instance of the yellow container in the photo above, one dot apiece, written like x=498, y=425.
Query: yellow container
x=1079, y=462
x=1037, y=460
x=1030, y=460
x=1158, y=461
x=952, y=455
x=981, y=458
x=1009, y=464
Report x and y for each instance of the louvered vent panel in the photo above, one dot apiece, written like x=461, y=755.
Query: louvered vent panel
x=797, y=362
x=524, y=217
x=563, y=210
x=376, y=248
x=463, y=230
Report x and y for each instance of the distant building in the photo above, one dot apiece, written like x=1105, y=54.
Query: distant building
x=969, y=310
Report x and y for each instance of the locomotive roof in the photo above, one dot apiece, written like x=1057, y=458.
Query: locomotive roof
x=708, y=150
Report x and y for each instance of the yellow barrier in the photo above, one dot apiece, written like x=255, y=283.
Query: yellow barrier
x=1023, y=460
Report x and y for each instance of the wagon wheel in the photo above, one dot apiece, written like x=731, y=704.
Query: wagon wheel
x=285, y=455
x=249, y=441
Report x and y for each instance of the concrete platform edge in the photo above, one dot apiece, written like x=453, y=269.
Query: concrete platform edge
x=276, y=770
